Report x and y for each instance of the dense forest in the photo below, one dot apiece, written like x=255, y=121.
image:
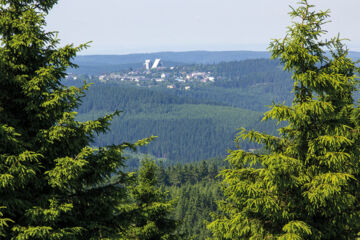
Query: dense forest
x=196, y=190
x=195, y=187
x=191, y=125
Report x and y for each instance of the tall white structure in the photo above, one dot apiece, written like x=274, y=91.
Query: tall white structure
x=147, y=64
x=156, y=63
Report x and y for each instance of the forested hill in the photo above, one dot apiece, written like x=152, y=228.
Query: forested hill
x=107, y=63
x=110, y=97
x=195, y=124
x=181, y=57
x=188, y=129
x=200, y=57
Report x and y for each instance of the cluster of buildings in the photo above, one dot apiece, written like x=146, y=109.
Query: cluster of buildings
x=155, y=74
x=195, y=76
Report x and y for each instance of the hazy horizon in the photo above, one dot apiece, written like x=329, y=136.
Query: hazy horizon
x=181, y=51
x=142, y=26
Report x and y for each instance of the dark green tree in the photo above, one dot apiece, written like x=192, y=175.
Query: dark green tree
x=149, y=209
x=307, y=186
x=52, y=184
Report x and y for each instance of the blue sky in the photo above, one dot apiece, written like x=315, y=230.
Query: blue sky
x=136, y=26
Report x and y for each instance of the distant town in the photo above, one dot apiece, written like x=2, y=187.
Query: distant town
x=154, y=74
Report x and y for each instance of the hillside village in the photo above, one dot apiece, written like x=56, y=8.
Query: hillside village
x=155, y=75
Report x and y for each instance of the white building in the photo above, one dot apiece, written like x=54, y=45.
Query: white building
x=102, y=78
x=147, y=64
x=196, y=74
x=156, y=63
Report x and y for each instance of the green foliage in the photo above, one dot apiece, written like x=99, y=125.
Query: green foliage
x=52, y=184
x=196, y=190
x=188, y=128
x=307, y=185
x=149, y=211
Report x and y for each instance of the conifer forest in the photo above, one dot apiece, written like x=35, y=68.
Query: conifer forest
x=210, y=145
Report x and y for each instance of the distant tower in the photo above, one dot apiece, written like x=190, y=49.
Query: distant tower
x=147, y=64
x=156, y=63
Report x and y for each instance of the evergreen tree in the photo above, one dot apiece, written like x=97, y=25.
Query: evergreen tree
x=308, y=184
x=203, y=170
x=52, y=184
x=149, y=210
x=163, y=176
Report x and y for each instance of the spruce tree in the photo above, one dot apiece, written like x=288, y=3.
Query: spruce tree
x=52, y=184
x=307, y=185
x=148, y=207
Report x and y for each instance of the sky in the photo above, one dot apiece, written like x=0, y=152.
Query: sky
x=142, y=26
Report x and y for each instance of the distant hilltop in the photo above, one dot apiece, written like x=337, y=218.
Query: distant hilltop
x=109, y=63
x=179, y=57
